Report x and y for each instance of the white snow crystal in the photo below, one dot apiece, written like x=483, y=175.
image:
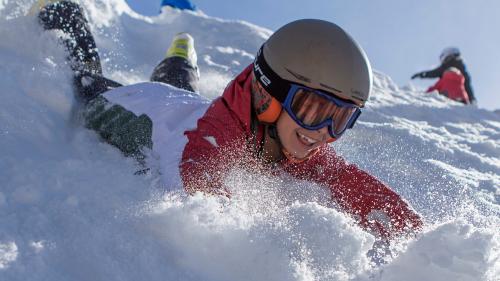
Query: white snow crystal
x=8, y=254
x=211, y=140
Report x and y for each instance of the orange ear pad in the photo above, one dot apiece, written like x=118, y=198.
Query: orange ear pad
x=272, y=112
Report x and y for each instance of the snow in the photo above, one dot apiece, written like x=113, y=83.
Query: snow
x=211, y=140
x=71, y=207
x=8, y=254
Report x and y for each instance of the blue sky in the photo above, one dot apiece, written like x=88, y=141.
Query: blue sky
x=400, y=37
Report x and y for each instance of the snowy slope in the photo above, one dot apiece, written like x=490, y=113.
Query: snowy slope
x=71, y=207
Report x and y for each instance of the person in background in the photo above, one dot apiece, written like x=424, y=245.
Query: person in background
x=179, y=4
x=450, y=57
x=451, y=85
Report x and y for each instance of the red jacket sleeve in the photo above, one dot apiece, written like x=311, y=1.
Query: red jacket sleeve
x=373, y=204
x=436, y=86
x=220, y=139
x=211, y=149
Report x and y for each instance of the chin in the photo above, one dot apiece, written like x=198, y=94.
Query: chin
x=300, y=154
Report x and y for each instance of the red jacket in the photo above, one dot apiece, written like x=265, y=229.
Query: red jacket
x=224, y=139
x=452, y=86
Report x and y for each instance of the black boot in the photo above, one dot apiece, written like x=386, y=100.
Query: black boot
x=177, y=72
x=69, y=18
x=89, y=86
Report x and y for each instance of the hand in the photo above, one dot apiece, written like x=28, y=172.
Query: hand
x=417, y=75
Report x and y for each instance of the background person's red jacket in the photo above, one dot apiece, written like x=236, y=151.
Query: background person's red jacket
x=224, y=140
x=451, y=85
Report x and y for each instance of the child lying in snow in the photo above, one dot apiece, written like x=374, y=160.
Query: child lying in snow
x=305, y=88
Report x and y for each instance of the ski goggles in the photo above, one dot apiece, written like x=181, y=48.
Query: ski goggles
x=313, y=109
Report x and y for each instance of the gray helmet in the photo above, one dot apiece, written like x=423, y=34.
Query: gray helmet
x=317, y=54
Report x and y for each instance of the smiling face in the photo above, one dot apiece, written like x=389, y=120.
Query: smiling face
x=294, y=139
x=297, y=141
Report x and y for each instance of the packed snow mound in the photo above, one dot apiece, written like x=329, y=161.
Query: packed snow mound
x=72, y=208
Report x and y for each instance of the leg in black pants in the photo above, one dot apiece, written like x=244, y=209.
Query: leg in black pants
x=84, y=58
x=82, y=51
x=177, y=72
x=68, y=17
x=114, y=123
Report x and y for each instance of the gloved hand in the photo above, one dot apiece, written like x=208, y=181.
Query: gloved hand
x=418, y=75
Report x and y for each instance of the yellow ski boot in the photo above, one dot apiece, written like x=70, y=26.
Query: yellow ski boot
x=183, y=46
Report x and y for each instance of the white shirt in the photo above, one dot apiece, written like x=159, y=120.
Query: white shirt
x=172, y=111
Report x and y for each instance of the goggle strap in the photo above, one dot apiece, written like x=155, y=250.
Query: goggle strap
x=354, y=119
x=269, y=80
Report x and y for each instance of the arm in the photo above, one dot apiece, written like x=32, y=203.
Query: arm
x=382, y=211
x=434, y=73
x=220, y=140
x=373, y=204
x=211, y=150
x=430, y=89
x=436, y=86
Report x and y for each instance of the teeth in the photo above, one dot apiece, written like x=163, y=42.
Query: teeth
x=307, y=139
